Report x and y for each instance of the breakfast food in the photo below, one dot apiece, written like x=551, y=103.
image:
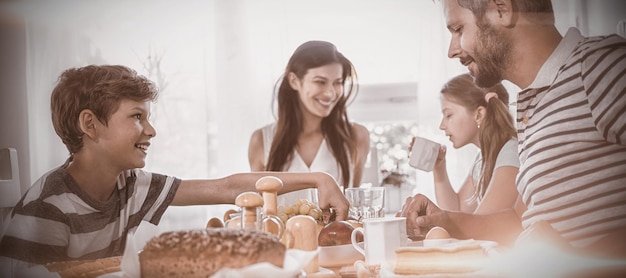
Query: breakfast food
x=230, y=213
x=215, y=222
x=201, y=253
x=437, y=236
x=85, y=268
x=461, y=256
x=437, y=233
x=337, y=233
x=300, y=207
x=355, y=223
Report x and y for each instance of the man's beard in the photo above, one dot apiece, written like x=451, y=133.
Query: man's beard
x=491, y=56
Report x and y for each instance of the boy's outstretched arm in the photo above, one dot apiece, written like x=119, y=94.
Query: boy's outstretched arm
x=225, y=190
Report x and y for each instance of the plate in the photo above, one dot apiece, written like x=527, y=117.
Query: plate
x=339, y=255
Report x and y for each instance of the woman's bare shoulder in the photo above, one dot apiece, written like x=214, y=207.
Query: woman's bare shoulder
x=361, y=134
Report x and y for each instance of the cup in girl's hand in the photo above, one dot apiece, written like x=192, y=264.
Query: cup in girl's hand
x=424, y=154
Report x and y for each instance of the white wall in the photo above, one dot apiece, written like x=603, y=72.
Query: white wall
x=13, y=100
x=592, y=17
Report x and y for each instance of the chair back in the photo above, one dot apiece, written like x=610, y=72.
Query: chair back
x=9, y=178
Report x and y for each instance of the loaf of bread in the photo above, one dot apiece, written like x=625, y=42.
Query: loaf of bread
x=85, y=268
x=201, y=253
x=462, y=256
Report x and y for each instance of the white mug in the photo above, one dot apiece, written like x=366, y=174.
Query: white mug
x=424, y=154
x=382, y=237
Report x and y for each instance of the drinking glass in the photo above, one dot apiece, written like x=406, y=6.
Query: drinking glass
x=366, y=202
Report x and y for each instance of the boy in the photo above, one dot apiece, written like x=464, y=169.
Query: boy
x=85, y=208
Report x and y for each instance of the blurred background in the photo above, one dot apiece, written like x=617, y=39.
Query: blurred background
x=216, y=62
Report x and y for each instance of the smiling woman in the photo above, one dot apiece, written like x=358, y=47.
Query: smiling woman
x=313, y=132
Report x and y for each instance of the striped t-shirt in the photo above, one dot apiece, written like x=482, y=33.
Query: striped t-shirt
x=56, y=221
x=572, y=135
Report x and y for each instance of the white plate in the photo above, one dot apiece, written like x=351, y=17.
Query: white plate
x=340, y=255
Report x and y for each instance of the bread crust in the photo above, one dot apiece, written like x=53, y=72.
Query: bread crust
x=201, y=253
x=86, y=268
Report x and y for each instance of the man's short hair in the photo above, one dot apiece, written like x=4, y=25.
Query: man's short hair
x=536, y=10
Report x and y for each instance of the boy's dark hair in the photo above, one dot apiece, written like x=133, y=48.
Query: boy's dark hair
x=97, y=88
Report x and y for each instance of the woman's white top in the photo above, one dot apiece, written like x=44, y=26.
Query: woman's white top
x=324, y=161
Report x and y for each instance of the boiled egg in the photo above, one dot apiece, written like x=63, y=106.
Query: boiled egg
x=437, y=233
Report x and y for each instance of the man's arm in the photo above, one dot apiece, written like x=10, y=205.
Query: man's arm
x=503, y=226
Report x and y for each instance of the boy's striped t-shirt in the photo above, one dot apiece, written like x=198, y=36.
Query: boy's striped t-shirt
x=57, y=221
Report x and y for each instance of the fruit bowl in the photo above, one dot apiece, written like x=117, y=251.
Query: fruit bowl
x=339, y=255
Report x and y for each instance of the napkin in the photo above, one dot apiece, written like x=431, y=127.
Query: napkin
x=295, y=261
x=135, y=241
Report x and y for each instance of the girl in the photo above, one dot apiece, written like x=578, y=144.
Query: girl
x=473, y=115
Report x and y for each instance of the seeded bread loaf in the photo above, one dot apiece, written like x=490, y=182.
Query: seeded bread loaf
x=201, y=253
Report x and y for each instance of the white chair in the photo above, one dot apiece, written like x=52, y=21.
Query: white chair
x=10, y=192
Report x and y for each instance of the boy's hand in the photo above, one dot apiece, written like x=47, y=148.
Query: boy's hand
x=330, y=196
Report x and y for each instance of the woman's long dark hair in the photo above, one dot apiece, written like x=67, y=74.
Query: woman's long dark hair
x=497, y=127
x=336, y=127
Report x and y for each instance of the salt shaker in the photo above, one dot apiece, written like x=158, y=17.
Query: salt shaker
x=269, y=187
x=249, y=202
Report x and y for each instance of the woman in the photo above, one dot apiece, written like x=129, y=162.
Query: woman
x=312, y=131
x=472, y=115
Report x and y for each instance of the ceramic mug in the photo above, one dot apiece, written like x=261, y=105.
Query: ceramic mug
x=424, y=154
x=382, y=237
